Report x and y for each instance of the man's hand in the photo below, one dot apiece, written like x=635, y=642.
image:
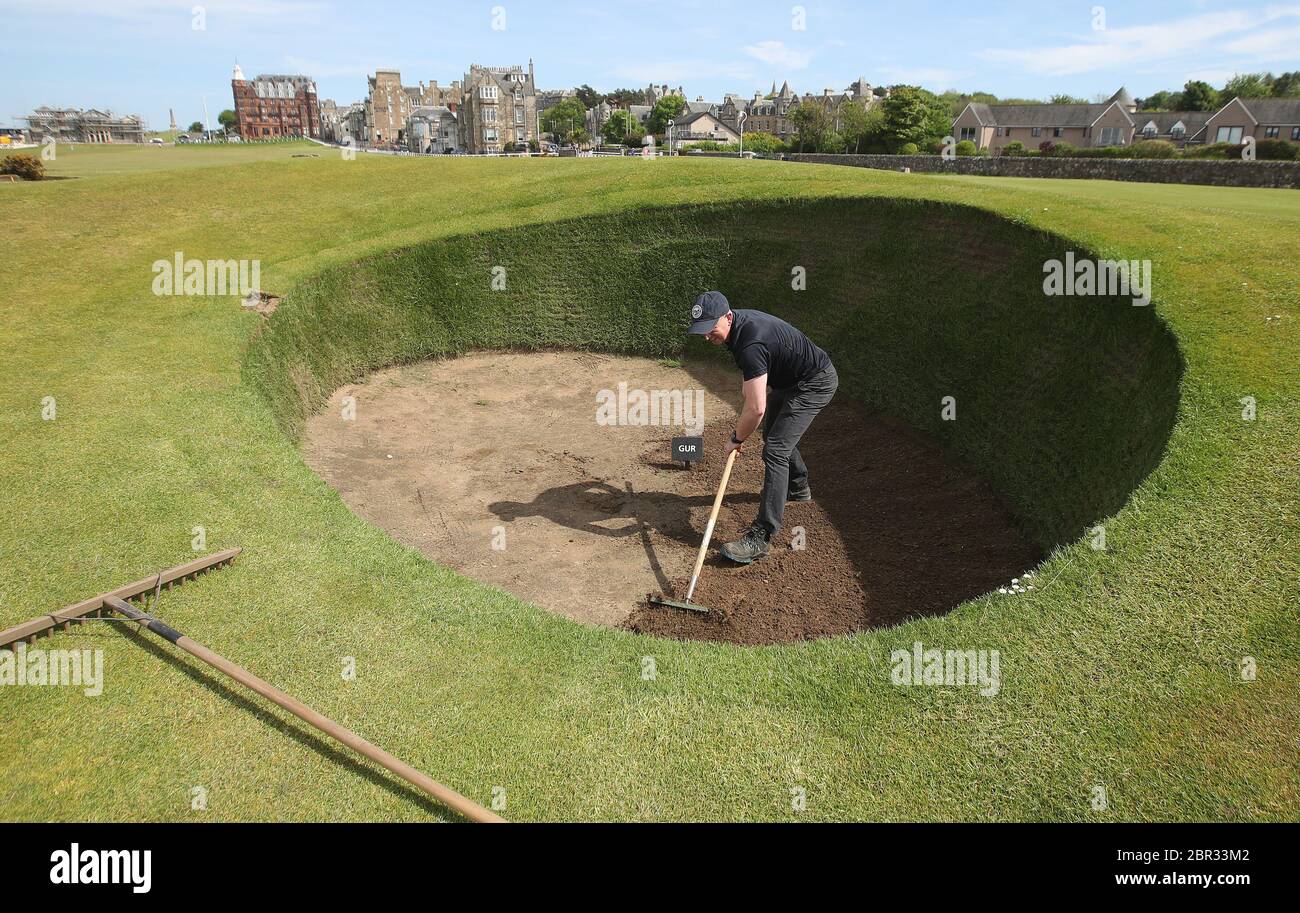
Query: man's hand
x=732, y=444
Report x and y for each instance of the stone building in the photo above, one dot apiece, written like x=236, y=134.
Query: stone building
x=74, y=125
x=387, y=108
x=498, y=107
x=771, y=113
x=341, y=122
x=271, y=106
x=432, y=130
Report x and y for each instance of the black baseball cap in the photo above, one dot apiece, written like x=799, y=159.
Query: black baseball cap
x=706, y=311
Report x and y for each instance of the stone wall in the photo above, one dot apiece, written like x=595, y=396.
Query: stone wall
x=1159, y=171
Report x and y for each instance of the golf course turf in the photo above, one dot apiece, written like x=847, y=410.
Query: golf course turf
x=1122, y=671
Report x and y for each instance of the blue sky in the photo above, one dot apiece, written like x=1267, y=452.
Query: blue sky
x=145, y=56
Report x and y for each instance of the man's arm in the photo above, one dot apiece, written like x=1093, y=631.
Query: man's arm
x=755, y=405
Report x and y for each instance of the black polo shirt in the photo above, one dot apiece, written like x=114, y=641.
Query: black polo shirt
x=763, y=344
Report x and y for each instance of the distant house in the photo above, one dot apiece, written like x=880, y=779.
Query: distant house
x=1261, y=118
x=432, y=130
x=74, y=125
x=498, y=108
x=701, y=127
x=993, y=127
x=270, y=106
x=1178, y=127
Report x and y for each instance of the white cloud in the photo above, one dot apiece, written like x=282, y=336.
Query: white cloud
x=775, y=53
x=1144, y=44
x=931, y=77
x=681, y=72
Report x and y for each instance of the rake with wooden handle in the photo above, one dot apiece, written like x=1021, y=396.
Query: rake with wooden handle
x=704, y=547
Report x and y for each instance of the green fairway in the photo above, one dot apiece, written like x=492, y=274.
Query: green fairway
x=1120, y=671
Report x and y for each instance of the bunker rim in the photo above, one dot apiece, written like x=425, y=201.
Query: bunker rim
x=115, y=606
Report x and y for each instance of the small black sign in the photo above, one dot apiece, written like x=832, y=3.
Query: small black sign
x=688, y=449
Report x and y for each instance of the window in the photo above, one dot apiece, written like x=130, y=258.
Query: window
x=1295, y=133
x=1112, y=136
x=1229, y=135
x=487, y=93
x=490, y=134
x=1056, y=131
x=1002, y=131
x=1149, y=131
x=519, y=115
x=519, y=136
x=1036, y=131
x=489, y=115
x=1177, y=130
x=1272, y=132
x=968, y=133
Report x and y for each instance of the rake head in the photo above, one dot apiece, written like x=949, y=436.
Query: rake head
x=674, y=604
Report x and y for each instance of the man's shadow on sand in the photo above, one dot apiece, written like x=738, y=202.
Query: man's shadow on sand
x=583, y=506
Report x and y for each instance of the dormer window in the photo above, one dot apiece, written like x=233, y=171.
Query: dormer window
x=1177, y=130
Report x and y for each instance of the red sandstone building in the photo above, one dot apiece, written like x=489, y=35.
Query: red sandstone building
x=274, y=106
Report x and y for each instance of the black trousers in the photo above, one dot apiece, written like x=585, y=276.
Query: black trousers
x=788, y=415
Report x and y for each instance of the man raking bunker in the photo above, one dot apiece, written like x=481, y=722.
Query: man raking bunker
x=769, y=352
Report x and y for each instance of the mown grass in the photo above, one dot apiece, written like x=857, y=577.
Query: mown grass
x=1120, y=671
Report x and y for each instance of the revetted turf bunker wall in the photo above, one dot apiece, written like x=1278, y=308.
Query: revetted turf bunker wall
x=1064, y=403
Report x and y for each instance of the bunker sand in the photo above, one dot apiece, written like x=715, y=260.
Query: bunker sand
x=494, y=464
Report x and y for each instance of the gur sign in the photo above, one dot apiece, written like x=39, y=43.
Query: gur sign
x=688, y=449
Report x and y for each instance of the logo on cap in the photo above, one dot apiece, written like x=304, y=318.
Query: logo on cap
x=696, y=312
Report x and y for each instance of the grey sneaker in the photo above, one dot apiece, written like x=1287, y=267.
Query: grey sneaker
x=748, y=548
x=800, y=494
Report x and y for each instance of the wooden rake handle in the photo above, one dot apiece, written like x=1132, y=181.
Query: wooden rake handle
x=713, y=518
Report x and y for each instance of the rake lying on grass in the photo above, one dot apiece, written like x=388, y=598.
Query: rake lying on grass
x=115, y=601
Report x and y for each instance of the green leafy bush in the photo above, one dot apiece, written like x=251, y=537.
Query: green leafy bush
x=908, y=149
x=1213, y=151
x=1276, y=150
x=27, y=167
x=1153, y=149
x=966, y=147
x=1015, y=147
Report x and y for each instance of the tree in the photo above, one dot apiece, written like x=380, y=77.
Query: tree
x=587, y=95
x=1160, y=101
x=665, y=109
x=625, y=97
x=228, y=120
x=853, y=124
x=758, y=141
x=1287, y=85
x=196, y=127
x=622, y=127
x=1066, y=100
x=913, y=115
x=563, y=119
x=810, y=122
x=1198, y=96
x=1246, y=85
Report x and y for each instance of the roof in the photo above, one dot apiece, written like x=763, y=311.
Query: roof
x=1038, y=115
x=1192, y=121
x=1123, y=97
x=1273, y=110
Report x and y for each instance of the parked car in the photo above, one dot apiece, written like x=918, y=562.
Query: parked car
x=156, y=141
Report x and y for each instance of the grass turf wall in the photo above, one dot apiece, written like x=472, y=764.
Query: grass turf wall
x=1064, y=403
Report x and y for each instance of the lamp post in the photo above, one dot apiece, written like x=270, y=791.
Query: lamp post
x=740, y=122
x=670, y=136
